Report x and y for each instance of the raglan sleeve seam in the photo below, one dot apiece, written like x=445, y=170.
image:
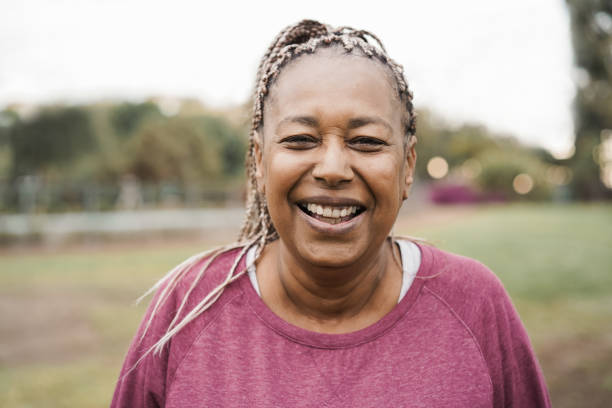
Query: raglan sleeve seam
x=468, y=330
x=173, y=375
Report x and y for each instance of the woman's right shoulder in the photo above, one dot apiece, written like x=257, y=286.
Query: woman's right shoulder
x=192, y=281
x=151, y=361
x=207, y=271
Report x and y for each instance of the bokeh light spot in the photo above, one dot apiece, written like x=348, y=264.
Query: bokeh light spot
x=437, y=167
x=523, y=183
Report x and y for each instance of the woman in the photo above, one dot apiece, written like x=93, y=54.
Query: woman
x=316, y=305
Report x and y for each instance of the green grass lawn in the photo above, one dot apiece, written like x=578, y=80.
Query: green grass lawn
x=67, y=316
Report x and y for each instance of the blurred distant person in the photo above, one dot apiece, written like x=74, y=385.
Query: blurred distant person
x=130, y=194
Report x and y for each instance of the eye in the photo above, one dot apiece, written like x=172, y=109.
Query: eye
x=299, y=142
x=367, y=143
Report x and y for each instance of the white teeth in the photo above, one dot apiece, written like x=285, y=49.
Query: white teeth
x=331, y=211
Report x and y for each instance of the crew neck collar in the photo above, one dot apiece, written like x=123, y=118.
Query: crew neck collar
x=344, y=340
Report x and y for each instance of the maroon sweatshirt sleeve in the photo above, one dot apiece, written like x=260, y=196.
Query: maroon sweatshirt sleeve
x=479, y=299
x=512, y=363
x=144, y=384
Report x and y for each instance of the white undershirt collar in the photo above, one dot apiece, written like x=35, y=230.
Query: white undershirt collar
x=409, y=252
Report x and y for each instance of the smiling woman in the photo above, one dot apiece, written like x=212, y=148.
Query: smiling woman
x=315, y=304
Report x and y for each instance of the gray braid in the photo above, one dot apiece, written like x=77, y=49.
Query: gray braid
x=302, y=38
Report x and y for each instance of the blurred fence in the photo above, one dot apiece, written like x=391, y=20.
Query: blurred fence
x=60, y=227
x=29, y=194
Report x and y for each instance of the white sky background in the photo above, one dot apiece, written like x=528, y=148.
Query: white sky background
x=506, y=64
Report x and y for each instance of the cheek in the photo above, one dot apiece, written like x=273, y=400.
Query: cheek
x=385, y=176
x=283, y=171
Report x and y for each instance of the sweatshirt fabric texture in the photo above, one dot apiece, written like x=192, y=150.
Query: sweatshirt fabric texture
x=454, y=340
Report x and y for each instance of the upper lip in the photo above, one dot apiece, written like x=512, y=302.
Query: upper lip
x=331, y=201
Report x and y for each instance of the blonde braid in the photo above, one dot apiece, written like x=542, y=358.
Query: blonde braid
x=304, y=38
x=257, y=230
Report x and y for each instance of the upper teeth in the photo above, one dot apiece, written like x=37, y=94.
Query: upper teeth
x=331, y=212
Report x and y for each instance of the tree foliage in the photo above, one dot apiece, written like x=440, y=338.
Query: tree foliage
x=102, y=142
x=126, y=117
x=477, y=157
x=591, y=23
x=177, y=150
x=97, y=147
x=53, y=138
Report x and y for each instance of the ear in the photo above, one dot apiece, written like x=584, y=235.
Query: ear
x=259, y=169
x=410, y=163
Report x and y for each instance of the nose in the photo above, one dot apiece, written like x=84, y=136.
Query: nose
x=333, y=167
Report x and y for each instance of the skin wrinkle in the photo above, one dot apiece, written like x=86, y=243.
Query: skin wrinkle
x=334, y=52
x=312, y=122
x=313, y=272
x=433, y=368
x=291, y=43
x=294, y=43
x=336, y=308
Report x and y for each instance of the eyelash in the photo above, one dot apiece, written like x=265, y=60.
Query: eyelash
x=303, y=142
x=368, y=140
x=298, y=139
x=299, y=142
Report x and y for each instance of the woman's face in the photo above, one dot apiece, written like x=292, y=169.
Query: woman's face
x=331, y=160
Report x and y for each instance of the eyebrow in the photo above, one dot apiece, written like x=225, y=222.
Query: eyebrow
x=368, y=120
x=354, y=123
x=302, y=120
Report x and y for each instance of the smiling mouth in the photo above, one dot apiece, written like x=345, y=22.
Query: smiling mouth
x=331, y=214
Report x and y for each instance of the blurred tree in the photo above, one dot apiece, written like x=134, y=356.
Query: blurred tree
x=480, y=158
x=76, y=157
x=231, y=141
x=176, y=150
x=500, y=167
x=52, y=138
x=591, y=24
x=455, y=144
x=126, y=117
x=7, y=120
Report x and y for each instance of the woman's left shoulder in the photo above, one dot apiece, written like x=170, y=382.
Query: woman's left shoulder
x=477, y=299
x=457, y=276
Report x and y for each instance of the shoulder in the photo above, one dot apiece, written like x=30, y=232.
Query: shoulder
x=470, y=291
x=184, y=291
x=206, y=271
x=459, y=279
x=478, y=299
x=192, y=294
x=190, y=284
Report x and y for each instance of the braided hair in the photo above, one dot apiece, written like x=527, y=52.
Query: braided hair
x=305, y=37
x=302, y=38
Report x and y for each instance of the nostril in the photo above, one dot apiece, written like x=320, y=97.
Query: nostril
x=335, y=173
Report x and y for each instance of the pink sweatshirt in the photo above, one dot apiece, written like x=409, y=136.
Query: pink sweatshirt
x=454, y=340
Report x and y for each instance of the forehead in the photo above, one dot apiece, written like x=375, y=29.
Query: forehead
x=331, y=81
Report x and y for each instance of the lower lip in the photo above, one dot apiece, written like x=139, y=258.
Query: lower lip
x=333, y=229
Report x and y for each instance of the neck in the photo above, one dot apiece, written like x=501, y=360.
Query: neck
x=331, y=299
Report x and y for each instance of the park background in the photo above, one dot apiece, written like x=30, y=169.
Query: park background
x=122, y=139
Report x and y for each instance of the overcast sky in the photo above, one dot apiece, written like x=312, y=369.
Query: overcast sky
x=506, y=64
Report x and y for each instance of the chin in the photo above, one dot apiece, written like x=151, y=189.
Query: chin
x=332, y=254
